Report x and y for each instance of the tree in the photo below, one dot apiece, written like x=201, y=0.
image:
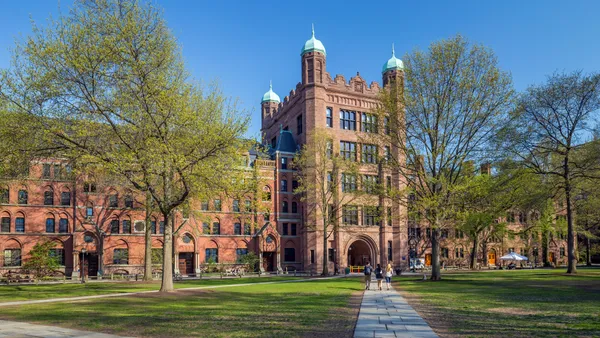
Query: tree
x=41, y=262
x=454, y=100
x=107, y=83
x=551, y=122
x=326, y=183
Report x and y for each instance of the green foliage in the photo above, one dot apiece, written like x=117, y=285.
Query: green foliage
x=41, y=262
x=250, y=261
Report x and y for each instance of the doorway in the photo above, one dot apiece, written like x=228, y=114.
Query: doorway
x=268, y=261
x=186, y=263
x=359, y=254
x=90, y=264
x=427, y=259
x=551, y=257
x=492, y=257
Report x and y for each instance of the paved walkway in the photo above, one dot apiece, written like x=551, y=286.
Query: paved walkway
x=387, y=314
x=26, y=330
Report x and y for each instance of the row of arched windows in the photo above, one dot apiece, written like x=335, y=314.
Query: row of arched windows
x=285, y=207
x=23, y=196
x=53, y=223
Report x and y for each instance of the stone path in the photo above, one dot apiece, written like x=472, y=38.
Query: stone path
x=26, y=330
x=387, y=314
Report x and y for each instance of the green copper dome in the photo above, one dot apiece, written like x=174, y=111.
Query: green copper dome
x=270, y=96
x=393, y=63
x=313, y=45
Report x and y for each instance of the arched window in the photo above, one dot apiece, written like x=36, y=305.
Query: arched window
x=216, y=228
x=187, y=239
x=12, y=253
x=20, y=223
x=294, y=207
x=237, y=228
x=266, y=193
x=206, y=228
x=49, y=196
x=114, y=226
x=121, y=256
x=284, y=206
x=50, y=226
x=65, y=198
x=5, y=222
x=284, y=186
x=128, y=201
x=4, y=195
x=211, y=253
x=126, y=226
x=63, y=224
x=89, y=211
x=153, y=225
x=23, y=196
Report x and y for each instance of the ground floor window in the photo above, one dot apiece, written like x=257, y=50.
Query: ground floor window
x=12, y=257
x=157, y=255
x=289, y=255
x=390, y=251
x=459, y=253
x=212, y=255
x=312, y=256
x=58, y=255
x=240, y=253
x=562, y=252
x=444, y=253
x=121, y=256
x=331, y=254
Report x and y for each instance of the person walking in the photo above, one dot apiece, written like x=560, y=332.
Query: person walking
x=388, y=276
x=379, y=277
x=368, y=270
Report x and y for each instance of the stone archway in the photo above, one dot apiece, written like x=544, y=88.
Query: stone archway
x=360, y=252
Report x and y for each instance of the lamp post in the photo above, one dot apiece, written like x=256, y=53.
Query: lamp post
x=82, y=266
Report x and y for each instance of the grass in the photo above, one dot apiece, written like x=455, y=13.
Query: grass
x=526, y=303
x=320, y=308
x=9, y=293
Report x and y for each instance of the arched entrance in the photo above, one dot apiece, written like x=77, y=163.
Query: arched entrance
x=359, y=253
x=492, y=257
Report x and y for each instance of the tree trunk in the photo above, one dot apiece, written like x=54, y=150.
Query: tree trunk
x=587, y=252
x=473, y=262
x=325, y=256
x=148, y=239
x=167, y=267
x=100, y=255
x=571, y=235
x=484, y=253
x=435, y=255
x=545, y=247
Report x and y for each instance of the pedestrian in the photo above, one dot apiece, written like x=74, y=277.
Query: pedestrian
x=379, y=277
x=368, y=270
x=388, y=276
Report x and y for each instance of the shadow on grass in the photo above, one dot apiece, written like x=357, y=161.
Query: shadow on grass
x=317, y=308
x=545, y=303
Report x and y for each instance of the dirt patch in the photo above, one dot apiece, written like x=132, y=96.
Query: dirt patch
x=341, y=321
x=438, y=321
x=515, y=311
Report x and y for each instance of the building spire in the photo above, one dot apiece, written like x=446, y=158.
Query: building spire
x=313, y=30
x=271, y=84
x=393, y=51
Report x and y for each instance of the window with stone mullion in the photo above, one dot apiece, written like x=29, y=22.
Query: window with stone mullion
x=369, y=153
x=347, y=120
x=350, y=214
x=368, y=123
x=348, y=150
x=370, y=215
x=348, y=183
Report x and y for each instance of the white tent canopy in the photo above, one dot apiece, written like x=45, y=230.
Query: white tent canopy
x=512, y=256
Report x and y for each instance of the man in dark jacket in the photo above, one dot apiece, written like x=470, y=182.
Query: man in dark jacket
x=368, y=270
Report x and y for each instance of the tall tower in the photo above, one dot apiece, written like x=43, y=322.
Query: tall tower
x=269, y=102
x=313, y=61
x=393, y=70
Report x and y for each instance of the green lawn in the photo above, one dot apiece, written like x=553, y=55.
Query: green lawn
x=320, y=308
x=504, y=303
x=9, y=293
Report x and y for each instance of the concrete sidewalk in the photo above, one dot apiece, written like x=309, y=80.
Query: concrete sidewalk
x=26, y=330
x=387, y=314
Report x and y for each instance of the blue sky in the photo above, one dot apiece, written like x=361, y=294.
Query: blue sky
x=244, y=44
